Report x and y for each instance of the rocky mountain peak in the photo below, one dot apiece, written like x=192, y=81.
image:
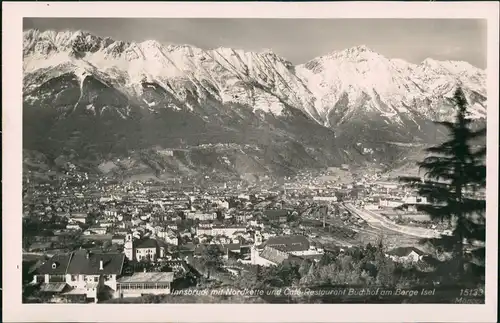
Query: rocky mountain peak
x=355, y=53
x=334, y=88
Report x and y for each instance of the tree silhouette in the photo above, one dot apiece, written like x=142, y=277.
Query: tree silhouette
x=211, y=259
x=454, y=172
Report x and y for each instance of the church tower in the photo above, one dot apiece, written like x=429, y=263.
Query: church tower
x=257, y=238
x=254, y=253
x=129, y=247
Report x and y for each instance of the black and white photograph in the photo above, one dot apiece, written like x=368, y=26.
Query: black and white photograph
x=220, y=160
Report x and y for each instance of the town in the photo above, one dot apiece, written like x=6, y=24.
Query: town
x=95, y=239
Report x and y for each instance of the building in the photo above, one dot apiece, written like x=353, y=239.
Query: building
x=292, y=243
x=387, y=186
x=73, y=227
x=278, y=249
x=204, y=229
x=118, y=239
x=227, y=231
x=52, y=270
x=228, y=250
x=78, y=218
x=222, y=204
x=171, y=239
x=172, y=225
x=145, y=249
x=178, y=267
x=168, y=236
x=325, y=198
x=166, y=152
x=243, y=217
x=111, y=212
x=95, y=230
x=51, y=275
x=88, y=273
x=140, y=284
x=414, y=199
x=390, y=203
x=277, y=216
x=405, y=254
x=411, y=203
x=268, y=256
x=80, y=274
x=201, y=216
x=128, y=247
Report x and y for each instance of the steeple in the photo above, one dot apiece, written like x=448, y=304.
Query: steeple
x=128, y=248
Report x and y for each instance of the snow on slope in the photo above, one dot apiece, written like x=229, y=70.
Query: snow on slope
x=358, y=79
x=392, y=85
x=356, y=72
x=229, y=75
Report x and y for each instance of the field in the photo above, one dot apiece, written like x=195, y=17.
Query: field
x=417, y=217
x=361, y=235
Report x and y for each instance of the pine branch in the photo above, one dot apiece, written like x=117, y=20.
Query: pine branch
x=470, y=206
x=435, y=194
x=479, y=154
x=446, y=149
x=478, y=133
x=447, y=124
x=436, y=212
x=445, y=243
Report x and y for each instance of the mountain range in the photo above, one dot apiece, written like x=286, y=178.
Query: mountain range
x=179, y=109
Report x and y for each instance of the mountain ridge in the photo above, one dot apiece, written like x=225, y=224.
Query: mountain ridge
x=355, y=99
x=145, y=60
x=34, y=31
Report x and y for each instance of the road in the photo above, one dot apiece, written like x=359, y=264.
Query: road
x=378, y=221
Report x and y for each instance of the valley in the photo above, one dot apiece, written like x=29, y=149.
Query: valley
x=154, y=171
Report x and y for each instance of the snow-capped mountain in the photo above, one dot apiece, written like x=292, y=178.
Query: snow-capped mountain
x=357, y=93
x=390, y=87
x=261, y=80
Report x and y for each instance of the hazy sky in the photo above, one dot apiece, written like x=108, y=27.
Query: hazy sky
x=298, y=40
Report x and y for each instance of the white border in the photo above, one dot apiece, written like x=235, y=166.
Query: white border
x=15, y=311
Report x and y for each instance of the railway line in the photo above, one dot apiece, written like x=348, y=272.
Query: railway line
x=379, y=222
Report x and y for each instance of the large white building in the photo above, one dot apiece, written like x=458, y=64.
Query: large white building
x=215, y=230
x=81, y=273
x=143, y=249
x=140, y=284
x=405, y=254
x=390, y=203
x=279, y=249
x=325, y=198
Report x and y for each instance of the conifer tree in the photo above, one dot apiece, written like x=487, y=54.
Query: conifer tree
x=454, y=172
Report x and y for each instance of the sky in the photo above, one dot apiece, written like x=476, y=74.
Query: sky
x=297, y=40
